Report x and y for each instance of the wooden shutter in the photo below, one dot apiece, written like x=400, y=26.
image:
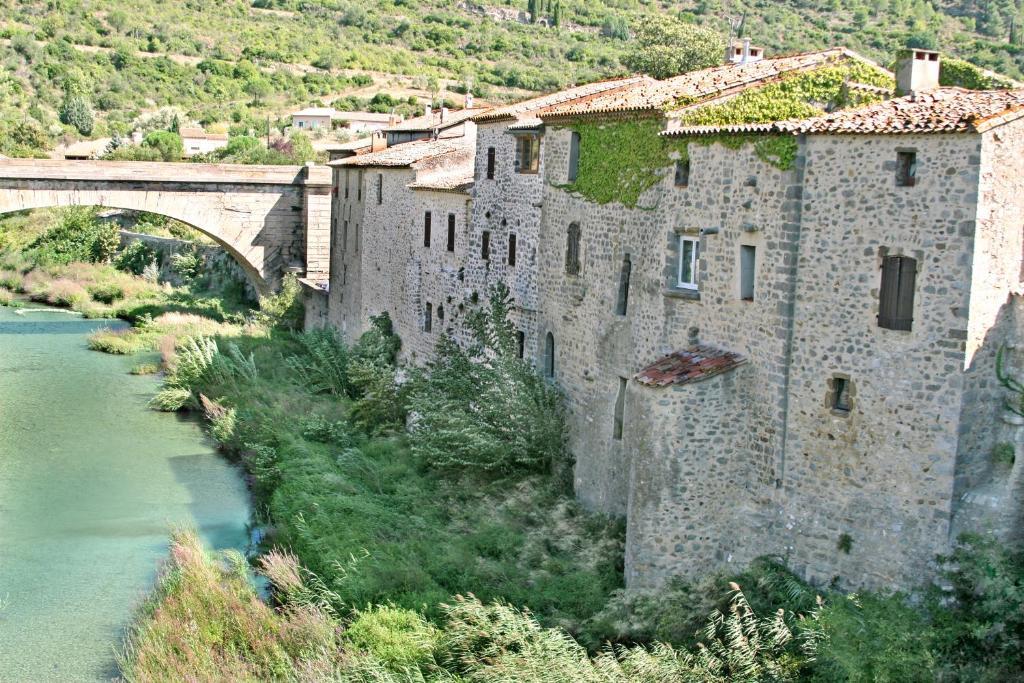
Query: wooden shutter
x=896, y=296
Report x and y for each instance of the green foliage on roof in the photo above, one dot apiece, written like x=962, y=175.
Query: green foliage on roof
x=957, y=72
x=620, y=160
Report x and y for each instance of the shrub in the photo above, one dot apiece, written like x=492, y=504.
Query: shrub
x=186, y=264
x=283, y=310
x=106, y=292
x=401, y=639
x=485, y=408
x=665, y=46
x=66, y=293
x=322, y=365
x=77, y=236
x=6, y=297
x=145, y=369
x=169, y=145
x=135, y=257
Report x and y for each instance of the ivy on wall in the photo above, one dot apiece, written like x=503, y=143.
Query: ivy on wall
x=620, y=160
x=957, y=72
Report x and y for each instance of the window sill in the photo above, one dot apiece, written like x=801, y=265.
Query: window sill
x=688, y=294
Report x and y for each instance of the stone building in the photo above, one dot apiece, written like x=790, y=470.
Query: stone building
x=780, y=339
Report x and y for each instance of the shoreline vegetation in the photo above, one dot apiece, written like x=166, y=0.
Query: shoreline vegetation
x=420, y=524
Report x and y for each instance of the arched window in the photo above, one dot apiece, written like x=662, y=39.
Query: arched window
x=549, y=355
x=572, y=250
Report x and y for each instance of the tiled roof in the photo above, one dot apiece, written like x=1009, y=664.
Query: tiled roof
x=432, y=122
x=455, y=182
x=647, y=94
x=531, y=105
x=689, y=365
x=945, y=110
x=315, y=111
x=526, y=124
x=406, y=154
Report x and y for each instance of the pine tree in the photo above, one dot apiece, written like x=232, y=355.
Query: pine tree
x=76, y=112
x=556, y=18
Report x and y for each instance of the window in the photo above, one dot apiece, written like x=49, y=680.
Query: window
x=426, y=229
x=527, y=154
x=574, y=157
x=357, y=239
x=840, y=395
x=440, y=313
x=521, y=343
x=359, y=187
x=485, y=245
x=380, y=188
x=549, y=355
x=490, y=163
x=620, y=409
x=686, y=268
x=896, y=295
x=748, y=259
x=511, y=248
x=428, y=317
x=451, y=232
x=683, y=173
x=623, y=299
x=302, y=124
x=906, y=169
x=347, y=181
x=572, y=250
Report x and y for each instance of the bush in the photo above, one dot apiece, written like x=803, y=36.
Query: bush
x=322, y=365
x=106, y=292
x=486, y=408
x=167, y=144
x=135, y=257
x=400, y=639
x=186, y=264
x=78, y=236
x=283, y=310
x=666, y=47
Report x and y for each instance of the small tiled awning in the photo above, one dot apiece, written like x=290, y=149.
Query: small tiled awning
x=689, y=365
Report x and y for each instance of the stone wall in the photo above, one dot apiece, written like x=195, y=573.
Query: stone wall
x=878, y=480
x=344, y=298
x=510, y=203
x=595, y=347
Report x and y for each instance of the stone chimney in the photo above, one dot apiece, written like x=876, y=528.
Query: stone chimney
x=917, y=71
x=378, y=142
x=469, y=101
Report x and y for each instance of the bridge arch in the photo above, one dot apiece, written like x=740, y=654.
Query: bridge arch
x=271, y=219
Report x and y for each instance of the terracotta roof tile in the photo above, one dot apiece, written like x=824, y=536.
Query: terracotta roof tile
x=408, y=153
x=536, y=103
x=944, y=110
x=456, y=182
x=432, y=122
x=689, y=365
x=648, y=94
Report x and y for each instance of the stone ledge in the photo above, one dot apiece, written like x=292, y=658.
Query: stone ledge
x=684, y=294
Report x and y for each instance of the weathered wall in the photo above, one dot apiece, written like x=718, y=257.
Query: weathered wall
x=509, y=203
x=595, y=346
x=344, y=299
x=981, y=494
x=687, y=512
x=882, y=475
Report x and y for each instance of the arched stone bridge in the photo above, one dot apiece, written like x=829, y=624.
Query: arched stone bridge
x=270, y=218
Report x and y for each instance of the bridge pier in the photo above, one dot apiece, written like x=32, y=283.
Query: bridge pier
x=316, y=220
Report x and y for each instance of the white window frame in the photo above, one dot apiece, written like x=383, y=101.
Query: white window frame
x=694, y=259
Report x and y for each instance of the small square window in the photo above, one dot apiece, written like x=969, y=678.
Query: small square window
x=906, y=169
x=527, y=154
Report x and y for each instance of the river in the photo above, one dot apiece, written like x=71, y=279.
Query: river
x=91, y=481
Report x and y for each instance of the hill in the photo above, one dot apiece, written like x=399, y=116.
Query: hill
x=233, y=63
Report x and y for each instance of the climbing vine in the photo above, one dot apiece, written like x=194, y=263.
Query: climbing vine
x=620, y=160
x=957, y=72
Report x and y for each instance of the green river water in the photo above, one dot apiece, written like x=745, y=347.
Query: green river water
x=91, y=482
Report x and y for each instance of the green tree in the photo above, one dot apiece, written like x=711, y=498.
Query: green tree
x=168, y=144
x=76, y=112
x=664, y=47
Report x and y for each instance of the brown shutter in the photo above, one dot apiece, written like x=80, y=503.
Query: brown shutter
x=888, y=294
x=905, y=295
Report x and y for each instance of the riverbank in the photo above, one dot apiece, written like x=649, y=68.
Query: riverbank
x=91, y=482
x=386, y=485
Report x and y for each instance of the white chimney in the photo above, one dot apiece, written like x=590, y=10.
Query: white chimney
x=743, y=52
x=427, y=111
x=916, y=71
x=469, y=100
x=444, y=114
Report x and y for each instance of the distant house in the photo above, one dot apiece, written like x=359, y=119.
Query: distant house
x=356, y=122
x=435, y=123
x=84, y=150
x=198, y=141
